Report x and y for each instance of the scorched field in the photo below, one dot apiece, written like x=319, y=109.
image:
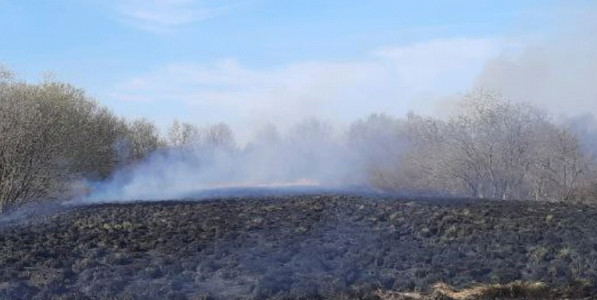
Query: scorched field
x=300, y=247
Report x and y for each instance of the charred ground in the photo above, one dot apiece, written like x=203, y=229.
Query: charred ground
x=302, y=246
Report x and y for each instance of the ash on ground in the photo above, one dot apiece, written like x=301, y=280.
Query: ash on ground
x=301, y=246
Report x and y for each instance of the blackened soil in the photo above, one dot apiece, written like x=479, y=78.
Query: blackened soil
x=324, y=246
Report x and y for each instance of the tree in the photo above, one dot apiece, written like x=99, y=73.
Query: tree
x=561, y=169
x=142, y=138
x=183, y=134
x=51, y=134
x=218, y=136
x=378, y=144
x=492, y=148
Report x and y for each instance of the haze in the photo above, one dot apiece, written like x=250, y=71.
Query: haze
x=252, y=62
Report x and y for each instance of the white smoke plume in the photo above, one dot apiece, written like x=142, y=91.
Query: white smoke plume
x=555, y=74
x=310, y=154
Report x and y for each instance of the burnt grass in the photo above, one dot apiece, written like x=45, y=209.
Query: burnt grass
x=301, y=246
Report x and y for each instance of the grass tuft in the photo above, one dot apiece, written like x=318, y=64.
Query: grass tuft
x=440, y=290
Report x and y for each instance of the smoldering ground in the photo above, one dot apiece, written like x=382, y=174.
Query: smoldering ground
x=302, y=246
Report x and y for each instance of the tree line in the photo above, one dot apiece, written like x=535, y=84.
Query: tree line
x=489, y=148
x=53, y=135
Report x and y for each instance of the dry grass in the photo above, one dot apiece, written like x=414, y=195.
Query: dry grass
x=440, y=290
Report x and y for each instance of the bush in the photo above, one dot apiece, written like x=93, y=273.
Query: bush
x=51, y=134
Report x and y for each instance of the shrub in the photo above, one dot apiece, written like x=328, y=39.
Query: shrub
x=51, y=134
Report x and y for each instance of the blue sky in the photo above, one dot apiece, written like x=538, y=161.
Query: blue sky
x=257, y=61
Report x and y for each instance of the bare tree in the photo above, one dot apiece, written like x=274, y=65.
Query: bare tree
x=183, y=134
x=5, y=73
x=379, y=143
x=142, y=138
x=218, y=136
x=561, y=168
x=493, y=148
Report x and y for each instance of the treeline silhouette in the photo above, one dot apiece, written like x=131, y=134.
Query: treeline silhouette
x=53, y=137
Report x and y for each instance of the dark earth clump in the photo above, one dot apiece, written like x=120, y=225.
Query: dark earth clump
x=302, y=246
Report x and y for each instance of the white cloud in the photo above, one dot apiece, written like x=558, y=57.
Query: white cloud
x=392, y=80
x=165, y=15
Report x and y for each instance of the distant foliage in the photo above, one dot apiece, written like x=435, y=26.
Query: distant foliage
x=218, y=136
x=491, y=148
x=141, y=138
x=183, y=134
x=53, y=136
x=50, y=133
x=379, y=143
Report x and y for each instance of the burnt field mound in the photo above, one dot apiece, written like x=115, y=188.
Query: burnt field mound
x=302, y=246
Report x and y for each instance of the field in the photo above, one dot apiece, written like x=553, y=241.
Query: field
x=301, y=246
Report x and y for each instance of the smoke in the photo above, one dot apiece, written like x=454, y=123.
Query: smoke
x=310, y=155
x=585, y=128
x=555, y=74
